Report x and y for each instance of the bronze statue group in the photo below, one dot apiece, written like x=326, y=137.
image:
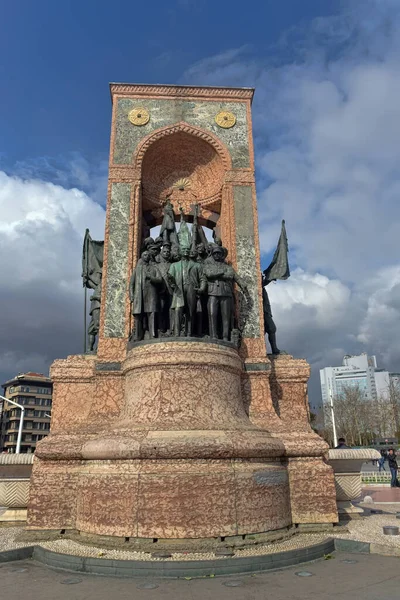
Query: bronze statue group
x=183, y=286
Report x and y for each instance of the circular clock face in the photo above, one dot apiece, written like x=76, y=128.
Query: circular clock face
x=139, y=116
x=225, y=119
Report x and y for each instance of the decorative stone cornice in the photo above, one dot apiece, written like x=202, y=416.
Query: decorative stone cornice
x=286, y=368
x=362, y=454
x=181, y=91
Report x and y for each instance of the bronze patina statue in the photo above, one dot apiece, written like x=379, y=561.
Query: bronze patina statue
x=94, y=282
x=184, y=287
x=269, y=324
x=278, y=269
x=92, y=269
x=144, y=296
x=165, y=290
x=187, y=282
x=220, y=278
x=168, y=229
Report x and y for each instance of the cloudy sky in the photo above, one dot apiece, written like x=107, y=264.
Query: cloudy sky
x=327, y=133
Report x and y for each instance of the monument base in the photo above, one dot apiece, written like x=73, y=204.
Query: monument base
x=181, y=459
x=166, y=448
x=160, y=499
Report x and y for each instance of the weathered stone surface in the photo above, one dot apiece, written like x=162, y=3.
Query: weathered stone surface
x=168, y=112
x=117, y=257
x=96, y=490
x=246, y=259
x=312, y=491
x=53, y=495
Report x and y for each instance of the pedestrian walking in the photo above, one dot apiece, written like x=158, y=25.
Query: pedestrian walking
x=393, y=468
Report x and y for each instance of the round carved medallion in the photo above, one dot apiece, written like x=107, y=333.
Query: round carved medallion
x=225, y=119
x=139, y=116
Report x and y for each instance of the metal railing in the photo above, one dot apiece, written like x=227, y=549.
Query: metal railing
x=375, y=476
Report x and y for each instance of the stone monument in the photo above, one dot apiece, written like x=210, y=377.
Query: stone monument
x=179, y=425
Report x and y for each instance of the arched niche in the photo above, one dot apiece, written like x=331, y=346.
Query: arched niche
x=185, y=163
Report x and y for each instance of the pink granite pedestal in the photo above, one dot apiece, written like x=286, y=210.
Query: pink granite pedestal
x=181, y=459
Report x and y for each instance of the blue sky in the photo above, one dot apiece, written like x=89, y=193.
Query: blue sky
x=57, y=58
x=326, y=118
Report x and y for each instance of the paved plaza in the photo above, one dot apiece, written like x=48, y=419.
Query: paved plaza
x=355, y=576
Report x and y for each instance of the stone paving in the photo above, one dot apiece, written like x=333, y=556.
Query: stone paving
x=367, y=529
x=361, y=577
x=381, y=493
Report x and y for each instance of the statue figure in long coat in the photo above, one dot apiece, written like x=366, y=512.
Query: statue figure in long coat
x=269, y=323
x=165, y=291
x=143, y=294
x=94, y=282
x=168, y=229
x=187, y=282
x=221, y=278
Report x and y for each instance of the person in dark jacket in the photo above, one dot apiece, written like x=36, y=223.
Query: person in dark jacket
x=391, y=458
x=341, y=444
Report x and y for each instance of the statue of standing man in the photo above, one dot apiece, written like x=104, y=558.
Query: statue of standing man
x=92, y=269
x=187, y=282
x=168, y=229
x=221, y=277
x=143, y=294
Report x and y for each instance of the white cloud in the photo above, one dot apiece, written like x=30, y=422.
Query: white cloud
x=327, y=130
x=41, y=234
x=322, y=319
x=327, y=299
x=380, y=327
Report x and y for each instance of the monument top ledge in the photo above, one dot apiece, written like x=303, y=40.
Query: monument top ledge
x=181, y=91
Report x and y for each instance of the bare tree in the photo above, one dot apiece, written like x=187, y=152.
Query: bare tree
x=354, y=416
x=382, y=417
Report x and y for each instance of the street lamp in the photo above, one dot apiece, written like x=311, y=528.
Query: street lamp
x=335, y=440
x=21, y=423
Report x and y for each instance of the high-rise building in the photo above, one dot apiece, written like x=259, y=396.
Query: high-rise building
x=34, y=392
x=355, y=371
x=359, y=372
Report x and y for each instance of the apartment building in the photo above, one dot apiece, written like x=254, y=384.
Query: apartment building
x=34, y=392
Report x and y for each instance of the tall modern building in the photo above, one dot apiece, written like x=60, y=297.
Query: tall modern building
x=360, y=372
x=34, y=392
